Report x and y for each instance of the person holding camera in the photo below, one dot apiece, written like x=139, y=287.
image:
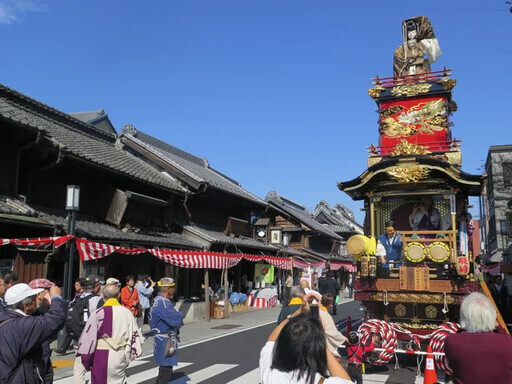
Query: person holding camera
x=145, y=287
x=296, y=351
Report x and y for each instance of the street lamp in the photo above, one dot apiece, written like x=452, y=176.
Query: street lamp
x=286, y=241
x=72, y=206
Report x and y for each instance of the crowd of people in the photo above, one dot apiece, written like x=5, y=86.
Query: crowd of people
x=103, y=325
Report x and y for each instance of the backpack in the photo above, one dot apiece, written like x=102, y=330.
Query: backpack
x=75, y=323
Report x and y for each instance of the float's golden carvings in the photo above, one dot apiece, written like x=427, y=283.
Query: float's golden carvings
x=431, y=312
x=447, y=83
x=372, y=160
x=418, y=326
x=400, y=310
x=411, y=89
x=404, y=148
x=375, y=92
x=391, y=111
x=408, y=173
x=424, y=117
x=454, y=157
x=414, y=298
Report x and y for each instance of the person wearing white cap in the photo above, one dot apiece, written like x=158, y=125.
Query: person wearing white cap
x=22, y=333
x=165, y=321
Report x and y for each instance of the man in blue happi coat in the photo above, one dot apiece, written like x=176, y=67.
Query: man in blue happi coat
x=389, y=247
x=165, y=320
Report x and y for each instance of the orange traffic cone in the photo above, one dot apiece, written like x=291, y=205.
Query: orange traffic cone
x=349, y=326
x=430, y=375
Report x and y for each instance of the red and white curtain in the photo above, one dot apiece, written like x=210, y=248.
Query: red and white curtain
x=39, y=242
x=91, y=250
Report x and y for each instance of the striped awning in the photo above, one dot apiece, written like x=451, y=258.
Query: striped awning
x=92, y=250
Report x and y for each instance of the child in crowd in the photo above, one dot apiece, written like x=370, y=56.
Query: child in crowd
x=355, y=354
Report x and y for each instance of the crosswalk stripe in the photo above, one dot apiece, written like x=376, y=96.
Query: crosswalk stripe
x=250, y=377
x=204, y=374
x=138, y=362
x=375, y=378
x=150, y=374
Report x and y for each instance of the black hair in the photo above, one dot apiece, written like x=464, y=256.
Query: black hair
x=353, y=338
x=10, y=277
x=130, y=277
x=327, y=299
x=301, y=347
x=389, y=223
x=142, y=277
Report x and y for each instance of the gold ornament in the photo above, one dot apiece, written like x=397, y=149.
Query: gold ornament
x=375, y=92
x=419, y=298
x=418, y=326
x=400, y=310
x=408, y=173
x=405, y=148
x=448, y=83
x=431, y=312
x=411, y=89
x=391, y=111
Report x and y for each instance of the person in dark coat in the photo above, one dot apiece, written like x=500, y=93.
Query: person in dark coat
x=322, y=287
x=23, y=333
x=331, y=286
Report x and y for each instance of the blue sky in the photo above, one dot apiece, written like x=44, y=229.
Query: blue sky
x=272, y=93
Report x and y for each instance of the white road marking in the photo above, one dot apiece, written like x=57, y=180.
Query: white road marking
x=204, y=374
x=250, y=377
x=375, y=378
x=151, y=373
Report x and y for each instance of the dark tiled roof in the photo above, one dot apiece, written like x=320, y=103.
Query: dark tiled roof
x=194, y=167
x=97, y=118
x=79, y=139
x=14, y=206
x=89, y=116
x=215, y=236
x=97, y=231
x=339, y=218
x=299, y=213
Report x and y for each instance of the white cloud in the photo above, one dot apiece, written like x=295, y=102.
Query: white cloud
x=14, y=11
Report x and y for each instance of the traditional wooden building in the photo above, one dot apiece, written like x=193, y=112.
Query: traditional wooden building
x=218, y=213
x=42, y=150
x=314, y=241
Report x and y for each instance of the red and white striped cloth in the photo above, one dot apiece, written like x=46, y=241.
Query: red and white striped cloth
x=264, y=303
x=39, y=242
x=91, y=250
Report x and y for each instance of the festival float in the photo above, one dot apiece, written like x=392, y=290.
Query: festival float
x=414, y=185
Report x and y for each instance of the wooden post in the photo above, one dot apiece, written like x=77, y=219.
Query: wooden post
x=372, y=218
x=487, y=293
x=207, y=294
x=226, y=302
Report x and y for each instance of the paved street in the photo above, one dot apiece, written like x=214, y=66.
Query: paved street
x=227, y=351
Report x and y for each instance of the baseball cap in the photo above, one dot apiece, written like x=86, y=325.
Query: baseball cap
x=113, y=280
x=41, y=283
x=19, y=292
x=166, y=282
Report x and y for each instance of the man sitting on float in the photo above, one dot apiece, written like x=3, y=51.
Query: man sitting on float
x=389, y=247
